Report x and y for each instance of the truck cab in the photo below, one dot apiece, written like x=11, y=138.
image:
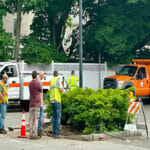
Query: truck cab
x=13, y=84
x=136, y=74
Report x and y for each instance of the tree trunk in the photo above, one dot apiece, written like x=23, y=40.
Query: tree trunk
x=18, y=30
x=60, y=47
x=54, y=29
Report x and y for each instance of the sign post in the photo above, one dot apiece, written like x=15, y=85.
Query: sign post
x=135, y=108
x=80, y=45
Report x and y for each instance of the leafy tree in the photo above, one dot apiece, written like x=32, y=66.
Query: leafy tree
x=6, y=42
x=13, y=6
x=50, y=21
x=115, y=28
x=143, y=53
x=36, y=52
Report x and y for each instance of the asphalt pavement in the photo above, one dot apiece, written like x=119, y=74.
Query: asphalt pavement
x=12, y=142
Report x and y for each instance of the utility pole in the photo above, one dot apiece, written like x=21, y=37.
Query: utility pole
x=18, y=30
x=99, y=69
x=80, y=45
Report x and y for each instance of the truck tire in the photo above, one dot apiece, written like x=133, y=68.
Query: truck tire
x=126, y=85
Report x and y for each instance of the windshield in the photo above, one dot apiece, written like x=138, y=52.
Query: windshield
x=128, y=70
x=1, y=66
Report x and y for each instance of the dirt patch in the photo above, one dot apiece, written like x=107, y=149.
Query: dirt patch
x=65, y=130
x=47, y=130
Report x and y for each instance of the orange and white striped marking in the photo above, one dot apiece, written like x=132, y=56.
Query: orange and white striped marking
x=15, y=85
x=134, y=107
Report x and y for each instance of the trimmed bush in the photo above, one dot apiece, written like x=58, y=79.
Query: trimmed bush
x=94, y=111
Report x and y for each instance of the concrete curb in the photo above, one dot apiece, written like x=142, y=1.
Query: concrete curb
x=96, y=137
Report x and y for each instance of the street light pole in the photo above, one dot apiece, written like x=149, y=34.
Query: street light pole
x=80, y=45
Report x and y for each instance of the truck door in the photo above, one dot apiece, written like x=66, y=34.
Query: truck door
x=13, y=81
x=142, y=88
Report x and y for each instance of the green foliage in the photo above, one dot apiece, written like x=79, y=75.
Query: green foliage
x=49, y=25
x=51, y=19
x=11, y=6
x=143, y=53
x=94, y=111
x=115, y=28
x=36, y=52
x=6, y=46
x=6, y=41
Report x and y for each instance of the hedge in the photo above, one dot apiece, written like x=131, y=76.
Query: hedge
x=94, y=111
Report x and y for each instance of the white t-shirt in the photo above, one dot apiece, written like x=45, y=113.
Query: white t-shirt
x=41, y=86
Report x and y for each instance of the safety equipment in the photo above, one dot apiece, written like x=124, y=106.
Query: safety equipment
x=72, y=82
x=54, y=90
x=23, y=127
x=4, y=93
x=132, y=97
x=134, y=107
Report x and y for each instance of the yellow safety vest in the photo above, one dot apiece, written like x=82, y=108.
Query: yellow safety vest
x=132, y=97
x=4, y=93
x=72, y=82
x=55, y=94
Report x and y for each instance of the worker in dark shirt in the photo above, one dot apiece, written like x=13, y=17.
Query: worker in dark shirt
x=34, y=105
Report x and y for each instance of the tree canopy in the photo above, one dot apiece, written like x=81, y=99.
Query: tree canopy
x=6, y=42
x=115, y=28
x=35, y=52
x=50, y=21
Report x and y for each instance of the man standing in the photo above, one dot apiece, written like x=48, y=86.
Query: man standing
x=72, y=81
x=3, y=102
x=34, y=106
x=40, y=124
x=56, y=89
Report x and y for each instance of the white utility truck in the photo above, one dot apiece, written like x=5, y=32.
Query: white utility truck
x=19, y=74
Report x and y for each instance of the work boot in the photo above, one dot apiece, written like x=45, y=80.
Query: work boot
x=58, y=137
x=40, y=133
x=34, y=137
x=3, y=131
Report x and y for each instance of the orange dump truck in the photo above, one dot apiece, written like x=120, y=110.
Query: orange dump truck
x=136, y=74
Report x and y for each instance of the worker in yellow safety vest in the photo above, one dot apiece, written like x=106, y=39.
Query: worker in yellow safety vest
x=56, y=89
x=72, y=81
x=3, y=102
x=132, y=97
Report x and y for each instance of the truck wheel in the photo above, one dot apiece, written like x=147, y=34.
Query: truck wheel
x=129, y=87
x=24, y=105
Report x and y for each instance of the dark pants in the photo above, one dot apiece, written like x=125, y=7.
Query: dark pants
x=56, y=111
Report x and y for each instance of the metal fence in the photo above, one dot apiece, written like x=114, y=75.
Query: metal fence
x=93, y=73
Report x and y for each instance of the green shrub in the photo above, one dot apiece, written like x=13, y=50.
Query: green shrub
x=94, y=111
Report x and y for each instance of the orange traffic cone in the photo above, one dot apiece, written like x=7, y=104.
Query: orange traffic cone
x=23, y=127
x=43, y=119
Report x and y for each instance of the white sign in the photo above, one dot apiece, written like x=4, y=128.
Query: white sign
x=142, y=84
x=130, y=127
